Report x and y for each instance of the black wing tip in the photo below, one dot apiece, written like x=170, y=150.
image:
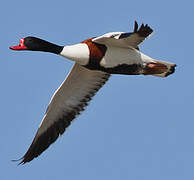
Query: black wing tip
x=143, y=31
x=39, y=145
x=22, y=162
x=135, y=27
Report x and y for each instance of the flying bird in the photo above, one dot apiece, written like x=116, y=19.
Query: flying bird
x=95, y=60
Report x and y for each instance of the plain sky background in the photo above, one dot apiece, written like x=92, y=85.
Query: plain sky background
x=136, y=127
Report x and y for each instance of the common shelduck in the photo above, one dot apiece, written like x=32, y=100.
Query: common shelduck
x=95, y=60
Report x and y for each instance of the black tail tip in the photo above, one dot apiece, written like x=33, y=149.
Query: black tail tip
x=171, y=70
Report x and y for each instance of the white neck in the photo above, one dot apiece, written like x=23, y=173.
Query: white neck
x=78, y=53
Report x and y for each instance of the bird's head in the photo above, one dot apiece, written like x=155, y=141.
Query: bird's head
x=37, y=44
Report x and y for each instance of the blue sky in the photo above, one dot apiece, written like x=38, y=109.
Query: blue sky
x=136, y=127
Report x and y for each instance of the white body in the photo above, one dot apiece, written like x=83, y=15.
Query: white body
x=113, y=57
x=116, y=56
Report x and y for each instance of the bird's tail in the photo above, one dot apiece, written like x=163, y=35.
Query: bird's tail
x=159, y=68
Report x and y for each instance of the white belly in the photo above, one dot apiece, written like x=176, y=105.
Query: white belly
x=116, y=56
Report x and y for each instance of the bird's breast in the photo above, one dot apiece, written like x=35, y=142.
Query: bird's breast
x=78, y=53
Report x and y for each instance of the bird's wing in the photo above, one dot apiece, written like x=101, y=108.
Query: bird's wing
x=67, y=102
x=125, y=40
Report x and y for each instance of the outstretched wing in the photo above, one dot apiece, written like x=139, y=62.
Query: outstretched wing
x=67, y=102
x=125, y=40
